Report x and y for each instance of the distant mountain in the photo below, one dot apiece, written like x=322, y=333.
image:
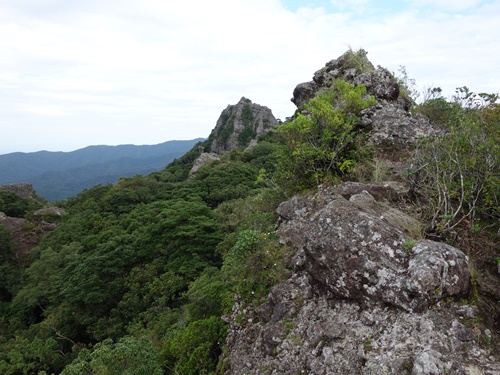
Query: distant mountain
x=58, y=175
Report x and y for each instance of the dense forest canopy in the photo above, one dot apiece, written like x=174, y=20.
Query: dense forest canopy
x=137, y=275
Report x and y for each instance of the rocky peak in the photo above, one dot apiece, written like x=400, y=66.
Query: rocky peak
x=353, y=67
x=389, y=120
x=239, y=124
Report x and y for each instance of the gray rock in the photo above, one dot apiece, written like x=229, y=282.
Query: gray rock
x=50, y=211
x=428, y=362
x=361, y=301
x=204, y=159
x=355, y=253
x=303, y=93
x=239, y=124
x=23, y=189
x=437, y=270
x=391, y=122
x=387, y=122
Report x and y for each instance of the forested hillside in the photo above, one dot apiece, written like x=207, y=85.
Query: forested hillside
x=59, y=175
x=141, y=276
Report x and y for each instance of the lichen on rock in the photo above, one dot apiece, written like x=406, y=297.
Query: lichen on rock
x=360, y=301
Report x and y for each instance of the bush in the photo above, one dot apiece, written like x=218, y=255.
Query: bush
x=457, y=175
x=322, y=139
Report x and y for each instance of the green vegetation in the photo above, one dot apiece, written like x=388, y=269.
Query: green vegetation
x=9, y=272
x=457, y=175
x=358, y=60
x=137, y=275
x=323, y=141
x=14, y=206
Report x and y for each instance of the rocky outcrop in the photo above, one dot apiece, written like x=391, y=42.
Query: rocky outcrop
x=22, y=189
x=353, y=67
x=203, y=159
x=25, y=234
x=351, y=249
x=391, y=122
x=364, y=298
x=239, y=124
x=387, y=122
x=238, y=127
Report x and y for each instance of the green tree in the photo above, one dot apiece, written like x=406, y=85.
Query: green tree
x=9, y=271
x=128, y=356
x=195, y=349
x=15, y=206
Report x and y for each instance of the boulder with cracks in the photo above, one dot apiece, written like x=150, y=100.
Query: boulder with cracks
x=363, y=298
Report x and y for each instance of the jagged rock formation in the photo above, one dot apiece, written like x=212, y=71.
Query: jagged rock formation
x=22, y=189
x=239, y=124
x=363, y=299
x=365, y=296
x=388, y=121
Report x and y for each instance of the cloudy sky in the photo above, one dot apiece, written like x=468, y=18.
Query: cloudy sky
x=79, y=73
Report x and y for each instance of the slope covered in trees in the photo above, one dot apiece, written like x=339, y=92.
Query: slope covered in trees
x=59, y=175
x=138, y=275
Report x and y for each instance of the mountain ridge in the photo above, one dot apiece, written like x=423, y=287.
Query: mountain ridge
x=49, y=171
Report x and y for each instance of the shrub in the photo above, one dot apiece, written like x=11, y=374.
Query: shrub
x=322, y=139
x=457, y=176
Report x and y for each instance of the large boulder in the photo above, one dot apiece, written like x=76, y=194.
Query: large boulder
x=22, y=189
x=363, y=298
x=356, y=253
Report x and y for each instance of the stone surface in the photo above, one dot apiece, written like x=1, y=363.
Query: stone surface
x=387, y=122
x=357, y=254
x=26, y=234
x=203, y=159
x=391, y=122
x=303, y=93
x=239, y=124
x=23, y=189
x=361, y=299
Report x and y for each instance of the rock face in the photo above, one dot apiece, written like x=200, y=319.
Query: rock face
x=22, y=189
x=239, y=124
x=357, y=254
x=363, y=299
x=391, y=122
x=204, y=158
x=388, y=121
x=25, y=234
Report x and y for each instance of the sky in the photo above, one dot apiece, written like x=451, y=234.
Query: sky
x=109, y=72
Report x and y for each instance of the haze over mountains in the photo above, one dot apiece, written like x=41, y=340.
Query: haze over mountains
x=58, y=175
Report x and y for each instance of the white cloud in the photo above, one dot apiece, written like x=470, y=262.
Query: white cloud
x=448, y=5
x=345, y=4
x=113, y=71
